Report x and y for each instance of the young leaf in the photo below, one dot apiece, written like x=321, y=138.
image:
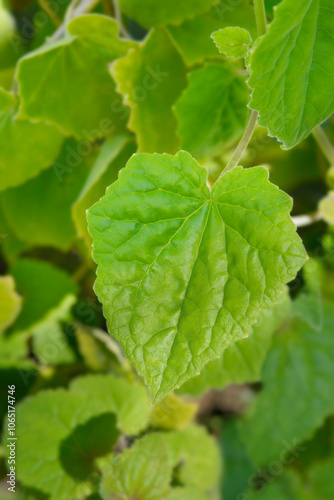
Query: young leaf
x=292, y=71
x=233, y=42
x=114, y=153
x=192, y=37
x=151, y=13
x=20, y=140
x=182, y=271
x=85, y=105
x=208, y=125
x=55, y=190
x=151, y=78
x=43, y=287
x=242, y=361
x=297, y=394
x=10, y=302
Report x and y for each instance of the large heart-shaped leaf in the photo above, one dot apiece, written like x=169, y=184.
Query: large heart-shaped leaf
x=183, y=271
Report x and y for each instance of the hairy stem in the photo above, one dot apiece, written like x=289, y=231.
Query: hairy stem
x=261, y=22
x=324, y=143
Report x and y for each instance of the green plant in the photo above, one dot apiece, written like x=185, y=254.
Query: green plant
x=171, y=138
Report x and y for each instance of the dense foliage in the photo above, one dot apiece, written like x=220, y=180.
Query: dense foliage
x=166, y=250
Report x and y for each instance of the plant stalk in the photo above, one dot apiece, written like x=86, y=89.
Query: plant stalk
x=261, y=22
x=324, y=143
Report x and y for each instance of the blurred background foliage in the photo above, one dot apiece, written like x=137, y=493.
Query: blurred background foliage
x=74, y=106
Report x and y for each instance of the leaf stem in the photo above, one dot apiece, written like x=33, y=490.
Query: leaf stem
x=82, y=8
x=234, y=161
x=118, y=16
x=261, y=18
x=261, y=22
x=44, y=4
x=324, y=143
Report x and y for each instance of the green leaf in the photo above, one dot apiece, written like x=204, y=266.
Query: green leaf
x=111, y=394
x=292, y=74
x=192, y=37
x=43, y=288
x=242, y=361
x=197, y=456
x=209, y=124
x=297, y=394
x=233, y=42
x=10, y=302
x=182, y=271
x=189, y=493
x=151, y=13
x=21, y=140
x=113, y=155
x=142, y=472
x=55, y=190
x=21, y=373
x=151, y=78
x=238, y=467
x=85, y=105
x=58, y=455
x=145, y=471
x=50, y=343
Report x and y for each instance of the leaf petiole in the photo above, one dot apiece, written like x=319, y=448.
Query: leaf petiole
x=261, y=22
x=324, y=143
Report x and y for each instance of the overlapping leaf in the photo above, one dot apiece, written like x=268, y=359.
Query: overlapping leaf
x=113, y=155
x=211, y=123
x=55, y=190
x=292, y=70
x=69, y=430
x=26, y=148
x=151, y=78
x=297, y=394
x=182, y=271
x=43, y=287
x=10, y=302
x=85, y=105
x=151, y=13
x=192, y=37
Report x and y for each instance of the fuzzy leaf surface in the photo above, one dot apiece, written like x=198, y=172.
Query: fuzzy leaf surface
x=292, y=70
x=182, y=271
